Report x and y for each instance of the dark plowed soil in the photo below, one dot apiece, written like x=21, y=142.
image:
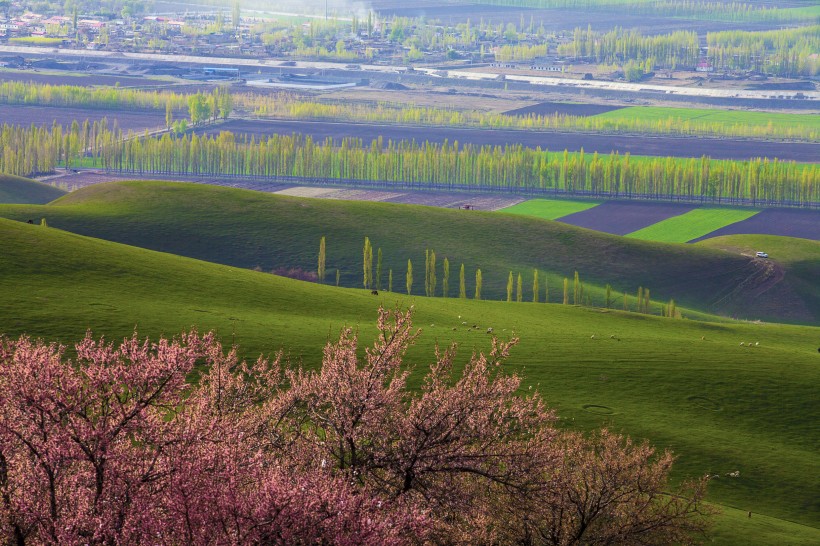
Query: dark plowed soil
x=621, y=217
x=128, y=120
x=562, y=108
x=603, y=144
x=786, y=222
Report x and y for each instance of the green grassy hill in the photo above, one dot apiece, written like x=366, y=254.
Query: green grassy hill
x=250, y=229
x=15, y=189
x=789, y=257
x=687, y=385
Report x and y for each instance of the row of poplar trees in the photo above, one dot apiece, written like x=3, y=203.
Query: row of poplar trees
x=574, y=292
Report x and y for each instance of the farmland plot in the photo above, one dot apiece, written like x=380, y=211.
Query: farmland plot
x=692, y=225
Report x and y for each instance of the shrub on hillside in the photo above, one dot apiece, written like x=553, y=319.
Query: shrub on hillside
x=119, y=447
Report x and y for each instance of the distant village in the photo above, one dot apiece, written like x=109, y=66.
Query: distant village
x=227, y=34
x=214, y=34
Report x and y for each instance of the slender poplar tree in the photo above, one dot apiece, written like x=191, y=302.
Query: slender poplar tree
x=576, y=290
x=509, y=286
x=519, y=289
x=566, y=291
x=379, y=269
x=462, y=285
x=535, y=288
x=409, y=277
x=478, y=282
x=367, y=251
x=390, y=281
x=433, y=281
x=321, y=269
x=445, y=280
x=427, y=272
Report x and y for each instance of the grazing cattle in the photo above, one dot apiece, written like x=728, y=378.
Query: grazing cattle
x=30, y=221
x=374, y=292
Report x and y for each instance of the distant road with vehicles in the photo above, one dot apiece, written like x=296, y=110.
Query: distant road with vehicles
x=434, y=72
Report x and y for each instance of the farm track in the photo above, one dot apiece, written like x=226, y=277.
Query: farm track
x=661, y=146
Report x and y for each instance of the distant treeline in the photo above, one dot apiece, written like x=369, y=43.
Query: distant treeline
x=511, y=168
x=220, y=103
x=786, y=52
x=678, y=49
x=16, y=92
x=689, y=9
x=286, y=106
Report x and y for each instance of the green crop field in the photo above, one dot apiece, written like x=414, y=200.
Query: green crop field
x=717, y=116
x=682, y=384
x=693, y=224
x=15, y=189
x=251, y=229
x=550, y=209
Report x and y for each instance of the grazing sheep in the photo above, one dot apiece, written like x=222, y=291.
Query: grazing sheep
x=741, y=344
x=703, y=338
x=489, y=330
x=757, y=343
x=464, y=324
x=592, y=336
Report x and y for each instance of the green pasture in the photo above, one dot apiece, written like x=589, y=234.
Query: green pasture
x=252, y=229
x=550, y=209
x=785, y=250
x=790, y=256
x=689, y=386
x=693, y=224
x=18, y=190
x=717, y=116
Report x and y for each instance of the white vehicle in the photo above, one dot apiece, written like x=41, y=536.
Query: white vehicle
x=762, y=255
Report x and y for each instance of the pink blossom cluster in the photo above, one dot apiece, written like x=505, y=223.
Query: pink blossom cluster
x=180, y=442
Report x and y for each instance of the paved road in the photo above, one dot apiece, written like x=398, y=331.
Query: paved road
x=623, y=87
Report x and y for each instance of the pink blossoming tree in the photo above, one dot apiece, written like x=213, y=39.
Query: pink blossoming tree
x=129, y=444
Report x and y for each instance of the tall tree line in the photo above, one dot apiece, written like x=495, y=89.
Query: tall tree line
x=510, y=168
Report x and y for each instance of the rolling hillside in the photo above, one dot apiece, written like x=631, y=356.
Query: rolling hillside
x=15, y=189
x=250, y=229
x=687, y=385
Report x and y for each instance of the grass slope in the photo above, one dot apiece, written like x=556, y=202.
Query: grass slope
x=791, y=257
x=719, y=406
x=550, y=209
x=15, y=189
x=691, y=225
x=248, y=229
